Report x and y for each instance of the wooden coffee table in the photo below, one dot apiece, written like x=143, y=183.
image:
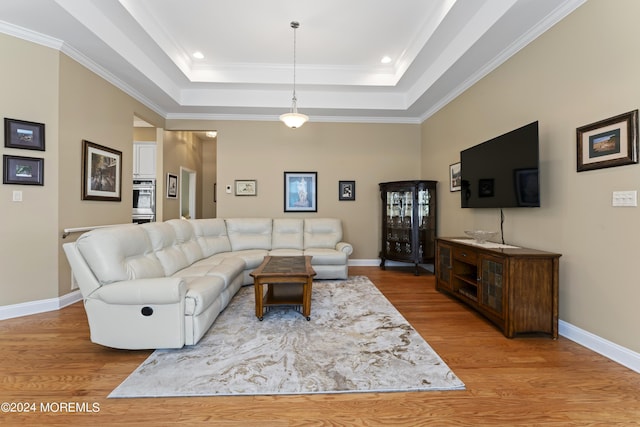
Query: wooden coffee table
x=281, y=274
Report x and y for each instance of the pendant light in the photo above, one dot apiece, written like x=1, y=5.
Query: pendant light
x=293, y=119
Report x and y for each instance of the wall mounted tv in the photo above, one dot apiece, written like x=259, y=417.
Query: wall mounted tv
x=502, y=172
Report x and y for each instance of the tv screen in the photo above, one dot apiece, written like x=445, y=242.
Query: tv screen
x=502, y=172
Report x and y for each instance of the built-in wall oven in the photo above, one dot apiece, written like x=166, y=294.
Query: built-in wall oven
x=144, y=201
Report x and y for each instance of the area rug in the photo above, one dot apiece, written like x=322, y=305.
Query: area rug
x=356, y=341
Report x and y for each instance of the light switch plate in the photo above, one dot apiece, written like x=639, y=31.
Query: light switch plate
x=17, y=196
x=625, y=198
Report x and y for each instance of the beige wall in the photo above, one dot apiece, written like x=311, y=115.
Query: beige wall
x=180, y=149
x=576, y=74
x=366, y=153
x=28, y=229
x=74, y=104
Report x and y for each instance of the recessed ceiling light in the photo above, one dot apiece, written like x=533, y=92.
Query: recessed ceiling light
x=385, y=59
x=198, y=55
x=212, y=134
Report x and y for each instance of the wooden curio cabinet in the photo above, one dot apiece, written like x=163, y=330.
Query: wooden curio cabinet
x=408, y=222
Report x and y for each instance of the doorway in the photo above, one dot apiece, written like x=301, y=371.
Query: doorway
x=187, y=193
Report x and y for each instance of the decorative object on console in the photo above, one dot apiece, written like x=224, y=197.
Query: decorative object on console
x=172, y=186
x=101, y=172
x=481, y=236
x=23, y=170
x=246, y=187
x=23, y=134
x=293, y=119
x=346, y=190
x=300, y=191
x=454, y=177
x=408, y=222
x=607, y=143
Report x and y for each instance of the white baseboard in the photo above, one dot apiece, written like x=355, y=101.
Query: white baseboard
x=608, y=349
x=376, y=263
x=41, y=306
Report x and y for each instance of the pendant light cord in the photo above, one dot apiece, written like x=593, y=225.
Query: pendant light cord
x=294, y=25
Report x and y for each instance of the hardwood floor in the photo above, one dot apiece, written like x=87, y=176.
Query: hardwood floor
x=50, y=368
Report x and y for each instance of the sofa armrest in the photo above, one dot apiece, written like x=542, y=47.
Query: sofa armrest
x=344, y=247
x=162, y=290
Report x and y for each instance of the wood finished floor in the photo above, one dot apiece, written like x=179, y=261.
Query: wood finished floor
x=48, y=359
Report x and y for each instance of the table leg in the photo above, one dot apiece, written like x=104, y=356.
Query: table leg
x=259, y=295
x=306, y=298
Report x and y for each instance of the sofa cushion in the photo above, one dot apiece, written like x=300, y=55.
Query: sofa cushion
x=119, y=253
x=165, y=245
x=286, y=252
x=288, y=233
x=211, y=234
x=226, y=268
x=251, y=257
x=249, y=233
x=322, y=256
x=186, y=239
x=322, y=232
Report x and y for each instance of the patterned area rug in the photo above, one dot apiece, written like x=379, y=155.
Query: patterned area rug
x=356, y=341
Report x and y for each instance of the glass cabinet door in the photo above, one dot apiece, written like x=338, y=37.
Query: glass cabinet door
x=408, y=226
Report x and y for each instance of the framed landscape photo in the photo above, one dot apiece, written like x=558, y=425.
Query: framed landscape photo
x=23, y=170
x=246, y=187
x=172, y=186
x=607, y=143
x=300, y=191
x=23, y=134
x=101, y=172
x=455, y=177
x=346, y=190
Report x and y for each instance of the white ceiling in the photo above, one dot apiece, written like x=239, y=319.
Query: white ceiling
x=438, y=48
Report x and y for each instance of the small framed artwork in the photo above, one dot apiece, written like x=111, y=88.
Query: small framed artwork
x=607, y=143
x=172, y=186
x=346, y=190
x=246, y=187
x=23, y=134
x=455, y=177
x=300, y=191
x=101, y=172
x=23, y=170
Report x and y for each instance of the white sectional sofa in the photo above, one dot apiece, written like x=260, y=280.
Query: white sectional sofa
x=161, y=285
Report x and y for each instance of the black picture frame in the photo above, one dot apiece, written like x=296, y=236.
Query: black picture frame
x=22, y=170
x=101, y=172
x=23, y=134
x=172, y=186
x=346, y=190
x=455, y=177
x=301, y=192
x=608, y=143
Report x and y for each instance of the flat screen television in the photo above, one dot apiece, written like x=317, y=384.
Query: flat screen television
x=502, y=172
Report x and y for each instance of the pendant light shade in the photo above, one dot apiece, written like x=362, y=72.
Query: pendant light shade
x=293, y=119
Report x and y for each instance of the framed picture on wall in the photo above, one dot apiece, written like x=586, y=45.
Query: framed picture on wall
x=172, y=186
x=23, y=134
x=246, y=187
x=300, y=191
x=455, y=177
x=346, y=190
x=101, y=172
x=607, y=143
x=23, y=170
